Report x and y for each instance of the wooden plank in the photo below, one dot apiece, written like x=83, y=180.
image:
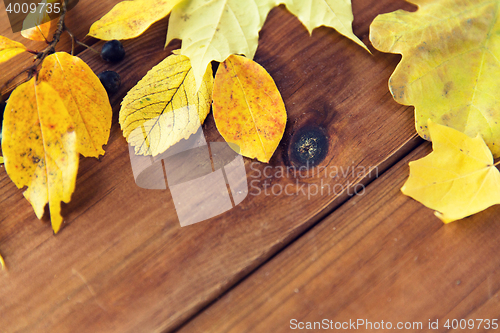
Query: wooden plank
x=122, y=263
x=381, y=256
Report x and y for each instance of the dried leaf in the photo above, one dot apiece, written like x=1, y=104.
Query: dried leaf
x=37, y=25
x=458, y=178
x=248, y=108
x=84, y=97
x=40, y=147
x=129, y=19
x=216, y=29
x=450, y=65
x=165, y=106
x=9, y=48
x=329, y=13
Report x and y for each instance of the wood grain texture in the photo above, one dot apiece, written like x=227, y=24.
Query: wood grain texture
x=122, y=263
x=381, y=256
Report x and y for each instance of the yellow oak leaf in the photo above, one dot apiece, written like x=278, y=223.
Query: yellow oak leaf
x=129, y=19
x=329, y=13
x=37, y=25
x=216, y=29
x=165, y=106
x=40, y=147
x=9, y=49
x=458, y=178
x=450, y=65
x=248, y=109
x=84, y=97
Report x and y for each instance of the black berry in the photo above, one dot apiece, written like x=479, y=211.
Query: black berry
x=113, y=51
x=110, y=80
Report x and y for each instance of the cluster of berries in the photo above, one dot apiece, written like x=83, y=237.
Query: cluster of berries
x=112, y=51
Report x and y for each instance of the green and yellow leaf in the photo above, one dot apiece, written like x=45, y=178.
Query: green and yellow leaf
x=216, y=29
x=9, y=49
x=40, y=147
x=458, y=178
x=450, y=65
x=165, y=106
x=335, y=14
x=248, y=108
x=129, y=19
x=84, y=97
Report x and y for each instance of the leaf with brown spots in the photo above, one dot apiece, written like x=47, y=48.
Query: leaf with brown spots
x=450, y=65
x=248, y=108
x=84, y=97
x=40, y=147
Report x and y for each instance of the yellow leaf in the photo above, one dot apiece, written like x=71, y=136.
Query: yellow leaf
x=216, y=29
x=9, y=49
x=2, y=263
x=458, y=178
x=39, y=147
x=1, y=159
x=248, y=109
x=129, y=19
x=165, y=106
x=450, y=65
x=329, y=13
x=84, y=97
x=37, y=25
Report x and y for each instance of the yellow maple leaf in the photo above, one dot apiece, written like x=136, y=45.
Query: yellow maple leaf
x=129, y=19
x=458, y=178
x=450, y=65
x=216, y=29
x=84, y=97
x=213, y=30
x=9, y=48
x=37, y=25
x=165, y=106
x=329, y=13
x=248, y=109
x=40, y=147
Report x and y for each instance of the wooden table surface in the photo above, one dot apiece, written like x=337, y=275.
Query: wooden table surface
x=122, y=263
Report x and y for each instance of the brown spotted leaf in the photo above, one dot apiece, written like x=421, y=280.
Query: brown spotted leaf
x=40, y=147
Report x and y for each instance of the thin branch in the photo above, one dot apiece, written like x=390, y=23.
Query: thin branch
x=40, y=56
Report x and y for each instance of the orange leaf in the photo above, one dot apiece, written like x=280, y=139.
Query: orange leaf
x=248, y=108
x=84, y=97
